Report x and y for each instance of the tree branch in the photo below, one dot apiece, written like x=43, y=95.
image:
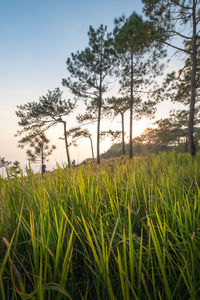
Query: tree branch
x=177, y=48
x=181, y=5
x=179, y=34
x=88, y=123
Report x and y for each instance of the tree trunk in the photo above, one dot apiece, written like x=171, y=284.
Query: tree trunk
x=123, y=143
x=131, y=112
x=98, y=135
x=186, y=144
x=99, y=120
x=92, y=149
x=66, y=144
x=42, y=159
x=193, y=83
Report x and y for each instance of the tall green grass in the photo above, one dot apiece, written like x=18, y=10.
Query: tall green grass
x=122, y=230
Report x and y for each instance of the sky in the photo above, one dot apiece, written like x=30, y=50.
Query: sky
x=36, y=37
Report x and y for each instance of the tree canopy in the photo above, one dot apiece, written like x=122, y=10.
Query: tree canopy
x=89, y=70
x=138, y=63
x=40, y=116
x=179, y=18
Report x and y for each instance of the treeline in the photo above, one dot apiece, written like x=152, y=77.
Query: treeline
x=133, y=55
x=164, y=136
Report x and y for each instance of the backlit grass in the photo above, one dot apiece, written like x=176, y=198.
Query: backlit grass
x=122, y=230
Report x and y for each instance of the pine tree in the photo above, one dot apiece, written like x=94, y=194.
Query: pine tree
x=177, y=88
x=39, y=150
x=39, y=116
x=114, y=107
x=179, y=18
x=89, y=70
x=138, y=63
x=78, y=133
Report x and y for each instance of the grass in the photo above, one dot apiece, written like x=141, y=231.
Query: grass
x=122, y=230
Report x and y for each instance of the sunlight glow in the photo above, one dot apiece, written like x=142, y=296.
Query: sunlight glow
x=140, y=126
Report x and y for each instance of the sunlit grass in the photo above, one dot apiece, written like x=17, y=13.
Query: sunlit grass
x=122, y=230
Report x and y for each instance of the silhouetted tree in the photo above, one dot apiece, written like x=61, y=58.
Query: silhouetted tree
x=49, y=111
x=177, y=88
x=89, y=70
x=179, y=18
x=39, y=150
x=114, y=107
x=78, y=133
x=170, y=131
x=136, y=68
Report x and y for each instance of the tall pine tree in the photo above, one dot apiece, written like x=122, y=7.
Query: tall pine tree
x=133, y=41
x=118, y=106
x=49, y=111
x=89, y=70
x=179, y=18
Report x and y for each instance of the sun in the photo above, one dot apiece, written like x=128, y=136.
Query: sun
x=140, y=126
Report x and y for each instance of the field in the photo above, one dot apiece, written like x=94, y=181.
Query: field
x=122, y=230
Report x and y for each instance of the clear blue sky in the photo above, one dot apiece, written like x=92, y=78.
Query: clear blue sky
x=36, y=37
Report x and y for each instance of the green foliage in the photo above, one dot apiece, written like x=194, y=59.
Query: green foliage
x=45, y=113
x=113, y=134
x=132, y=34
x=138, y=65
x=77, y=133
x=123, y=230
x=169, y=19
x=139, y=54
x=39, y=150
x=179, y=18
x=89, y=70
x=115, y=106
x=177, y=88
x=37, y=117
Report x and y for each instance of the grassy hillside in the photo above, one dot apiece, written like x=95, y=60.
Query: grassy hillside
x=122, y=230
x=143, y=149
